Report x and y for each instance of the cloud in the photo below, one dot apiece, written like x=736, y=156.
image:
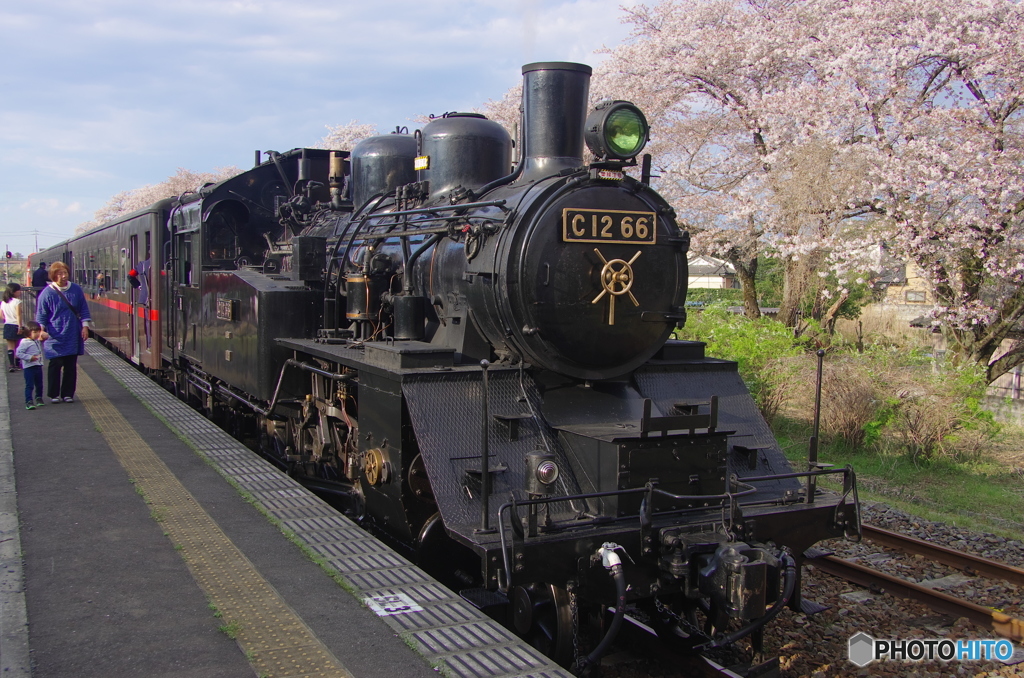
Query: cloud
x=110, y=95
x=48, y=206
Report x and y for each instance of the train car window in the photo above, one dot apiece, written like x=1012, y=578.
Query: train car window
x=188, y=218
x=120, y=279
x=221, y=231
x=108, y=266
x=185, y=259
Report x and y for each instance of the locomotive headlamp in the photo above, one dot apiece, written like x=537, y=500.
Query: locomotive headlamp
x=617, y=130
x=547, y=472
x=541, y=473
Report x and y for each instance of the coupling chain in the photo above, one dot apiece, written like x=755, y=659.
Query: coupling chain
x=685, y=624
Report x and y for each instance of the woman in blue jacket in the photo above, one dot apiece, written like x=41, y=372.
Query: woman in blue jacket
x=62, y=311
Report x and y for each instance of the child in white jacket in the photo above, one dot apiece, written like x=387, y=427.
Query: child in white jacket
x=30, y=353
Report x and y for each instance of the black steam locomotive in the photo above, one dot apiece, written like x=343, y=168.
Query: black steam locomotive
x=477, y=364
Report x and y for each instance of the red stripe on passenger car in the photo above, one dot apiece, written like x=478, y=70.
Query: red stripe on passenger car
x=152, y=314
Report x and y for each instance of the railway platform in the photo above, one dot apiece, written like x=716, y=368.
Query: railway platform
x=137, y=539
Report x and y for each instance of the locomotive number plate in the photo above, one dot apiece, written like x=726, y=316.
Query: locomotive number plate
x=616, y=226
x=226, y=309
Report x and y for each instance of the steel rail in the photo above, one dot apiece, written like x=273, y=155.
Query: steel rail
x=1001, y=623
x=940, y=554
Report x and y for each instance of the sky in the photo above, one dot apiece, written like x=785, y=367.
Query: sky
x=103, y=96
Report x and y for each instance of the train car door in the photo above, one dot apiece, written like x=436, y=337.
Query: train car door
x=184, y=308
x=187, y=297
x=132, y=345
x=142, y=302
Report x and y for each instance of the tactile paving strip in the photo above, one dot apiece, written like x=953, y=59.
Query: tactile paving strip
x=276, y=641
x=444, y=628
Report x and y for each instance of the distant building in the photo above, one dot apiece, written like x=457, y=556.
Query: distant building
x=900, y=291
x=711, y=273
x=903, y=285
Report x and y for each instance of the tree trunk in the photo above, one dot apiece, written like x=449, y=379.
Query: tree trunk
x=981, y=343
x=746, y=271
x=828, y=319
x=797, y=277
x=1006, y=362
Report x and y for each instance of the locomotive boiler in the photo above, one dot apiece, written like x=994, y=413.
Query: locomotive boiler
x=466, y=343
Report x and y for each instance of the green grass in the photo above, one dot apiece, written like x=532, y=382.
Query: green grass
x=982, y=494
x=231, y=629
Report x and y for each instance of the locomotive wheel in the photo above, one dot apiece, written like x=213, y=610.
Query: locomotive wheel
x=301, y=438
x=542, y=617
x=448, y=561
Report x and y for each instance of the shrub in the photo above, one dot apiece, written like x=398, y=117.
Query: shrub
x=849, y=402
x=894, y=400
x=760, y=347
x=940, y=414
x=705, y=296
x=851, y=397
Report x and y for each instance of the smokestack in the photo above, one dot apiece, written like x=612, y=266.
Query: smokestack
x=554, y=112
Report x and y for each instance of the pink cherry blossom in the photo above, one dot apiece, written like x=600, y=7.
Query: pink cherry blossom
x=812, y=130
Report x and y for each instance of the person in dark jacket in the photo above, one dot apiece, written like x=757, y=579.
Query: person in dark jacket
x=39, y=276
x=62, y=311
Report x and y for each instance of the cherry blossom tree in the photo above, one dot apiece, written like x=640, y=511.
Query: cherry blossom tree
x=181, y=182
x=345, y=137
x=808, y=129
x=709, y=74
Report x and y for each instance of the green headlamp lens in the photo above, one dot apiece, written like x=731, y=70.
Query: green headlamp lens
x=616, y=130
x=624, y=132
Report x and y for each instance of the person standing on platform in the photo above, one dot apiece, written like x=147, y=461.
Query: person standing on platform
x=30, y=353
x=40, y=277
x=63, y=313
x=10, y=309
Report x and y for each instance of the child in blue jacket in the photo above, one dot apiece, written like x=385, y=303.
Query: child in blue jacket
x=30, y=353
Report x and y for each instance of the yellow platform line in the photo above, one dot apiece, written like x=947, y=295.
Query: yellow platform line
x=273, y=637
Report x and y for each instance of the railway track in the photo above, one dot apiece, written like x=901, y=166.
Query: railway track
x=1002, y=624
x=962, y=561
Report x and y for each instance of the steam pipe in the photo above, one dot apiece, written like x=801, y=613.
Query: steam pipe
x=302, y=366
x=444, y=208
x=407, y=286
x=508, y=179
